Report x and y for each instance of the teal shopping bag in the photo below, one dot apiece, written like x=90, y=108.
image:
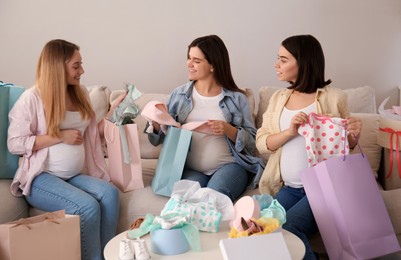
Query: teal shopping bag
x=171, y=160
x=9, y=93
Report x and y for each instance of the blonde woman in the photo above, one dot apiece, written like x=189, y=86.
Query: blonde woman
x=53, y=126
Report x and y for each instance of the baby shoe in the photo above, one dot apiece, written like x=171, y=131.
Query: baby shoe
x=141, y=249
x=126, y=251
x=136, y=224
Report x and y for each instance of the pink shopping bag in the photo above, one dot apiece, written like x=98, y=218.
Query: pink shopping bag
x=125, y=175
x=349, y=210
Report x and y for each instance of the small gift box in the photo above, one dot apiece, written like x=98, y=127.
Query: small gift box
x=389, y=137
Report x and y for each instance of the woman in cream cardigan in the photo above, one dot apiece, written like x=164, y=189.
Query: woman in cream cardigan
x=301, y=63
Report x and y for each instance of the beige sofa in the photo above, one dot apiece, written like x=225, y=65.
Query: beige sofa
x=137, y=203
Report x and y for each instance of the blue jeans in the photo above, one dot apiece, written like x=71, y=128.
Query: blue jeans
x=300, y=219
x=95, y=201
x=231, y=179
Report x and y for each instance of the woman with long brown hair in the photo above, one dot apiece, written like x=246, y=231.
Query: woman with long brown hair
x=222, y=160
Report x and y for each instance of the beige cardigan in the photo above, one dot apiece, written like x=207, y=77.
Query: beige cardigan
x=330, y=101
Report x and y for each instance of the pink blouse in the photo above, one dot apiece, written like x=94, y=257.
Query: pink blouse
x=27, y=120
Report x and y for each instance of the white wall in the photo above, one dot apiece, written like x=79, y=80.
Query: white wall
x=145, y=41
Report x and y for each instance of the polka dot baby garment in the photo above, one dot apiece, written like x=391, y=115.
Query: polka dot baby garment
x=325, y=137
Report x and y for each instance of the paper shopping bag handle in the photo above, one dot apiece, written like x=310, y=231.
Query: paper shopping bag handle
x=106, y=134
x=2, y=84
x=359, y=146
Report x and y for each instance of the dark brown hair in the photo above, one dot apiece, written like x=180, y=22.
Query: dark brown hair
x=308, y=52
x=216, y=54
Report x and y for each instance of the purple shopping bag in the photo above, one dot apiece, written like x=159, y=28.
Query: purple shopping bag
x=349, y=209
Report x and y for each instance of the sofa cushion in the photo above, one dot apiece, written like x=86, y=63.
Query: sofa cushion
x=361, y=99
x=368, y=139
x=12, y=208
x=265, y=94
x=392, y=199
x=251, y=100
x=100, y=99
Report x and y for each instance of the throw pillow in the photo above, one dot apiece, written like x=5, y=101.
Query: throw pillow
x=368, y=139
x=251, y=101
x=361, y=99
x=265, y=94
x=100, y=99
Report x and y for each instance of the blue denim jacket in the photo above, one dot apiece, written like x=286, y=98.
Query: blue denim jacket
x=236, y=111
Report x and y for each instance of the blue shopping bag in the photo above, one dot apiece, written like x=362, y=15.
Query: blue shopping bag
x=171, y=160
x=9, y=93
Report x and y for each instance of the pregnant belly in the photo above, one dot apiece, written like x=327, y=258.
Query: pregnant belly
x=65, y=160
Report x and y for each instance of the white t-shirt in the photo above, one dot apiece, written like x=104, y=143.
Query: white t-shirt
x=65, y=160
x=207, y=152
x=293, y=154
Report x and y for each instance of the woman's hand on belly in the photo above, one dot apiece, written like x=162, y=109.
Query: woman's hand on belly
x=71, y=136
x=68, y=136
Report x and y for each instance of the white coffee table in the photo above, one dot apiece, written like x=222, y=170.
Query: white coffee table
x=209, y=245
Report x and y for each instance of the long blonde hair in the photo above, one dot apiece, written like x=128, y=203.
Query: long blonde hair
x=51, y=81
